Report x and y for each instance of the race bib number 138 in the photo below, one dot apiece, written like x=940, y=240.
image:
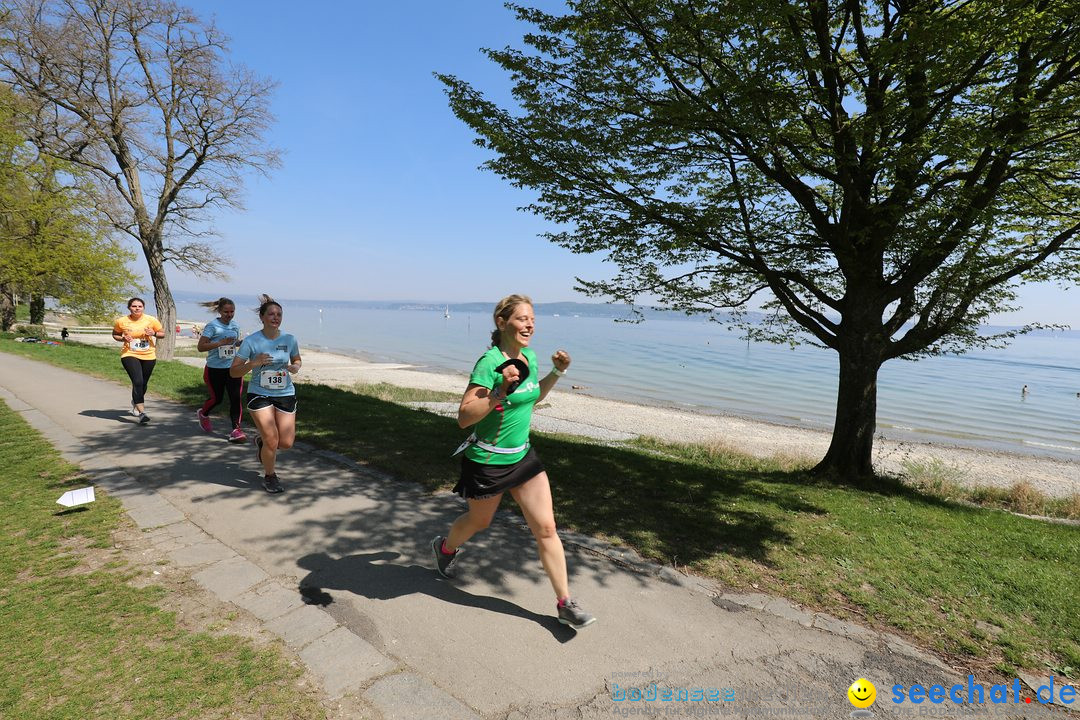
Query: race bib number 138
x=274, y=379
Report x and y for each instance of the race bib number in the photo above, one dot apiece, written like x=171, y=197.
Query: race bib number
x=227, y=352
x=274, y=379
x=140, y=344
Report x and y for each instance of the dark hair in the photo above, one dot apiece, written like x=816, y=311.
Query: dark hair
x=136, y=299
x=504, y=309
x=216, y=305
x=266, y=301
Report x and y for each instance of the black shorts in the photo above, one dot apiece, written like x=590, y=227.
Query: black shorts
x=479, y=481
x=285, y=404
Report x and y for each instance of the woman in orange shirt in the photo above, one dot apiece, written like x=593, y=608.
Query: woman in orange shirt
x=140, y=334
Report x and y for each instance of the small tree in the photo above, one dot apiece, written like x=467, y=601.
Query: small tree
x=883, y=172
x=139, y=93
x=52, y=241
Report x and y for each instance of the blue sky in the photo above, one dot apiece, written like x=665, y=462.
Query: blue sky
x=379, y=196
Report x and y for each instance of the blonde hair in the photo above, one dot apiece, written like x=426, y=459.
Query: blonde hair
x=504, y=309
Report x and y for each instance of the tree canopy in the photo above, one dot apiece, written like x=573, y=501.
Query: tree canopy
x=52, y=241
x=880, y=174
x=141, y=95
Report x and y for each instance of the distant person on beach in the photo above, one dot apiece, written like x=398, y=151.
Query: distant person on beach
x=64, y=333
x=272, y=357
x=219, y=339
x=504, y=386
x=139, y=333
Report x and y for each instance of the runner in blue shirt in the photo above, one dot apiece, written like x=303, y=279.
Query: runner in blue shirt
x=219, y=340
x=272, y=357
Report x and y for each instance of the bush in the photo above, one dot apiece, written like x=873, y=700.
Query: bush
x=37, y=331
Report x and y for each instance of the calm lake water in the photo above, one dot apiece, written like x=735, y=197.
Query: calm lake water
x=973, y=399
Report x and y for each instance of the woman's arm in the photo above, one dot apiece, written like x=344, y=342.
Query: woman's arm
x=561, y=361
x=476, y=403
x=240, y=366
x=206, y=344
x=295, y=366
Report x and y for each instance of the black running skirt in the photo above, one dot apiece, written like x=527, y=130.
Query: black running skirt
x=479, y=481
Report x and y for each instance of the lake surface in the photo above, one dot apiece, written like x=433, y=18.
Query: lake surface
x=973, y=399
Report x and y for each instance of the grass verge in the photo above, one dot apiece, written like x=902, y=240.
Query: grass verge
x=986, y=588
x=85, y=643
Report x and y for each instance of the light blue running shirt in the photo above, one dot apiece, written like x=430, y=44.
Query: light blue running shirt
x=220, y=357
x=272, y=380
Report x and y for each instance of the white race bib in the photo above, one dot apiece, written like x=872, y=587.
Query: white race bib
x=140, y=344
x=274, y=379
x=227, y=352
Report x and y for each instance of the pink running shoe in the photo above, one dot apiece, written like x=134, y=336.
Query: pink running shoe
x=204, y=421
x=237, y=436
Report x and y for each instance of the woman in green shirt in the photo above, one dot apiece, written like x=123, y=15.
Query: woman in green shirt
x=498, y=458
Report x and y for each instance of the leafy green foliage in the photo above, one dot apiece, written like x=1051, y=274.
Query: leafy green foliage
x=880, y=189
x=52, y=242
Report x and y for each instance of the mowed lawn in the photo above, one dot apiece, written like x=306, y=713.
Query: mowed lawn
x=988, y=589
x=83, y=643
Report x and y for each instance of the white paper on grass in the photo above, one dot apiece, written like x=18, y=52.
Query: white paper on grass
x=77, y=497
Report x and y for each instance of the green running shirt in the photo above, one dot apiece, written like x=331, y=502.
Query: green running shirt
x=507, y=426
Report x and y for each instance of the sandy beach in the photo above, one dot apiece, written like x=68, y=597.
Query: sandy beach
x=573, y=412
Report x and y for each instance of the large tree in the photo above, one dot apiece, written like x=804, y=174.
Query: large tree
x=140, y=93
x=882, y=174
x=52, y=241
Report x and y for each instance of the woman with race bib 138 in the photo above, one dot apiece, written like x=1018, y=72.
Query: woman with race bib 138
x=272, y=357
x=139, y=333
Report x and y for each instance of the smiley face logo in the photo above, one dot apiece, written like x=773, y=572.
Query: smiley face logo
x=862, y=693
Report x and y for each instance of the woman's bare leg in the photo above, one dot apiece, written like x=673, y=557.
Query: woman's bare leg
x=534, y=497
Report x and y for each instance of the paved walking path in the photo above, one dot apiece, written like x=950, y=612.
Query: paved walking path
x=375, y=622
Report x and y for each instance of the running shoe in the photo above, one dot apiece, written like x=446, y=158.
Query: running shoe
x=444, y=563
x=570, y=613
x=143, y=418
x=271, y=484
x=204, y=421
x=134, y=411
x=258, y=448
x=237, y=436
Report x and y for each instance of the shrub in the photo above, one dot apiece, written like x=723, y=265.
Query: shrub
x=37, y=331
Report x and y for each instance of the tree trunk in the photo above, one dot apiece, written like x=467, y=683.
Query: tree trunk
x=7, y=307
x=163, y=299
x=851, y=451
x=37, y=309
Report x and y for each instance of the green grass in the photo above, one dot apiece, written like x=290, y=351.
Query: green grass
x=82, y=643
x=987, y=588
